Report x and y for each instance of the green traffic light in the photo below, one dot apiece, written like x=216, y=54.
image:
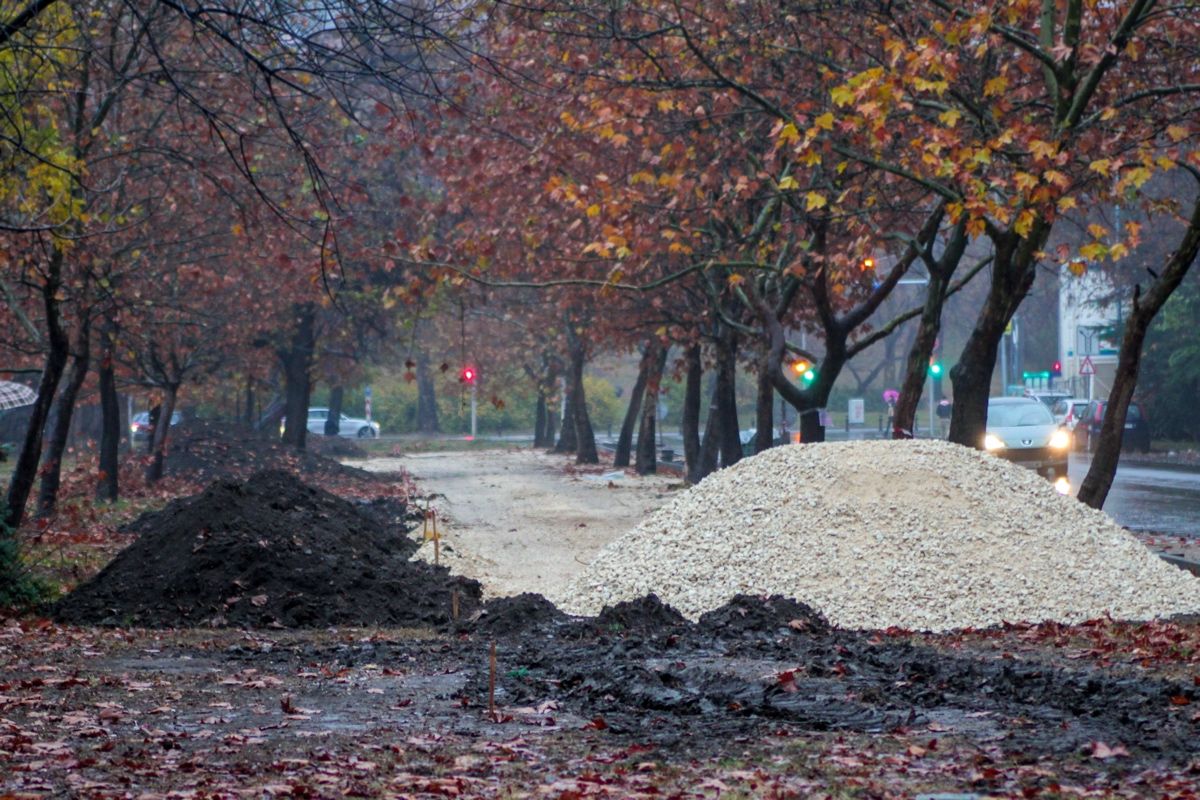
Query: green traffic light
x=935, y=369
x=810, y=376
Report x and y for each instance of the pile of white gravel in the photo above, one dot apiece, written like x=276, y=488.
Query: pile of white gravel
x=924, y=535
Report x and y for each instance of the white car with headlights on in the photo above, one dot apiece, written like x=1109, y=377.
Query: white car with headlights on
x=1022, y=430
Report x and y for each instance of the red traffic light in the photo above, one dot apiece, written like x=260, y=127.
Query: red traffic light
x=468, y=375
x=1056, y=369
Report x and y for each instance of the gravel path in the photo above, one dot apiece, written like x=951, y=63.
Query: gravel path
x=523, y=520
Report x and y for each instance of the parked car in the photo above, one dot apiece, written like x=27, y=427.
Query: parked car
x=1137, y=427
x=1050, y=397
x=139, y=426
x=1022, y=430
x=1068, y=411
x=352, y=427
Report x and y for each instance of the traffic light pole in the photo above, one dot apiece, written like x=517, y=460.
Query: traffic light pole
x=472, y=411
x=931, y=402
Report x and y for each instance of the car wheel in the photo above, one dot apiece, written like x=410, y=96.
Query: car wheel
x=365, y=433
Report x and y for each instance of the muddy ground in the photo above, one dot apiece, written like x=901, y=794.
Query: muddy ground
x=758, y=695
x=759, y=698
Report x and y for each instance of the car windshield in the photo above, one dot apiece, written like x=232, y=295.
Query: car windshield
x=1016, y=415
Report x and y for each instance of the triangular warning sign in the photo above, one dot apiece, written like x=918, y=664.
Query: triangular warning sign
x=1086, y=367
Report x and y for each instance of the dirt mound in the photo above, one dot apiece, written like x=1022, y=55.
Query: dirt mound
x=507, y=616
x=645, y=615
x=269, y=552
x=746, y=614
x=698, y=683
x=206, y=449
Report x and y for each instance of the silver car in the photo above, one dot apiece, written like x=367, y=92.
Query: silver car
x=350, y=427
x=1022, y=430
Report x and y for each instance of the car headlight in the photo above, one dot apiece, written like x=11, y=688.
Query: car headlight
x=992, y=442
x=1060, y=440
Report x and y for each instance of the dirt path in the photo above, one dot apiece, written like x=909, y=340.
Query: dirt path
x=522, y=520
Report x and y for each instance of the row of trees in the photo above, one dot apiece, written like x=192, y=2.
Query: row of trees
x=239, y=190
x=724, y=174
x=183, y=199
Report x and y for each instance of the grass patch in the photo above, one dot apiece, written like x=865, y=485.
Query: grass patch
x=441, y=444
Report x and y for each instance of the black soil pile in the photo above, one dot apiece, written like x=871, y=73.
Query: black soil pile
x=507, y=616
x=769, y=665
x=204, y=450
x=646, y=615
x=756, y=617
x=269, y=552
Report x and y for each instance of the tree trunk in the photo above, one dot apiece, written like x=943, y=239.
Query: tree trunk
x=64, y=408
x=551, y=423
x=427, y=412
x=248, y=415
x=1013, y=271
x=162, y=432
x=58, y=348
x=634, y=411
x=539, y=421
x=297, y=368
x=646, y=462
x=764, y=405
x=710, y=445
x=690, y=424
x=585, y=438
x=566, y=436
x=904, y=422
x=107, y=483
x=726, y=392
x=1098, y=481
x=333, y=422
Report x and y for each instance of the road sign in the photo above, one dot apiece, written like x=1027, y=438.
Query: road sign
x=856, y=411
x=1086, y=367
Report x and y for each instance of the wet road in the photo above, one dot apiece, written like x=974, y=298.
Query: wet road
x=1145, y=498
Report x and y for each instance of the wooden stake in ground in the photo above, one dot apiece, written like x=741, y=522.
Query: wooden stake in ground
x=430, y=531
x=454, y=604
x=492, y=680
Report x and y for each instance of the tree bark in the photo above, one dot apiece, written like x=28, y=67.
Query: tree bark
x=634, y=411
x=162, y=432
x=585, y=437
x=646, y=462
x=64, y=408
x=552, y=420
x=297, y=368
x=333, y=422
x=1013, y=271
x=710, y=445
x=726, y=392
x=930, y=325
x=567, y=442
x=427, y=412
x=539, y=421
x=690, y=424
x=248, y=415
x=58, y=348
x=764, y=405
x=107, y=483
x=1098, y=481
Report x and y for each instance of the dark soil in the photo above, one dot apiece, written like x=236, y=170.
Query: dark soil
x=269, y=552
x=204, y=450
x=771, y=664
x=508, y=616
